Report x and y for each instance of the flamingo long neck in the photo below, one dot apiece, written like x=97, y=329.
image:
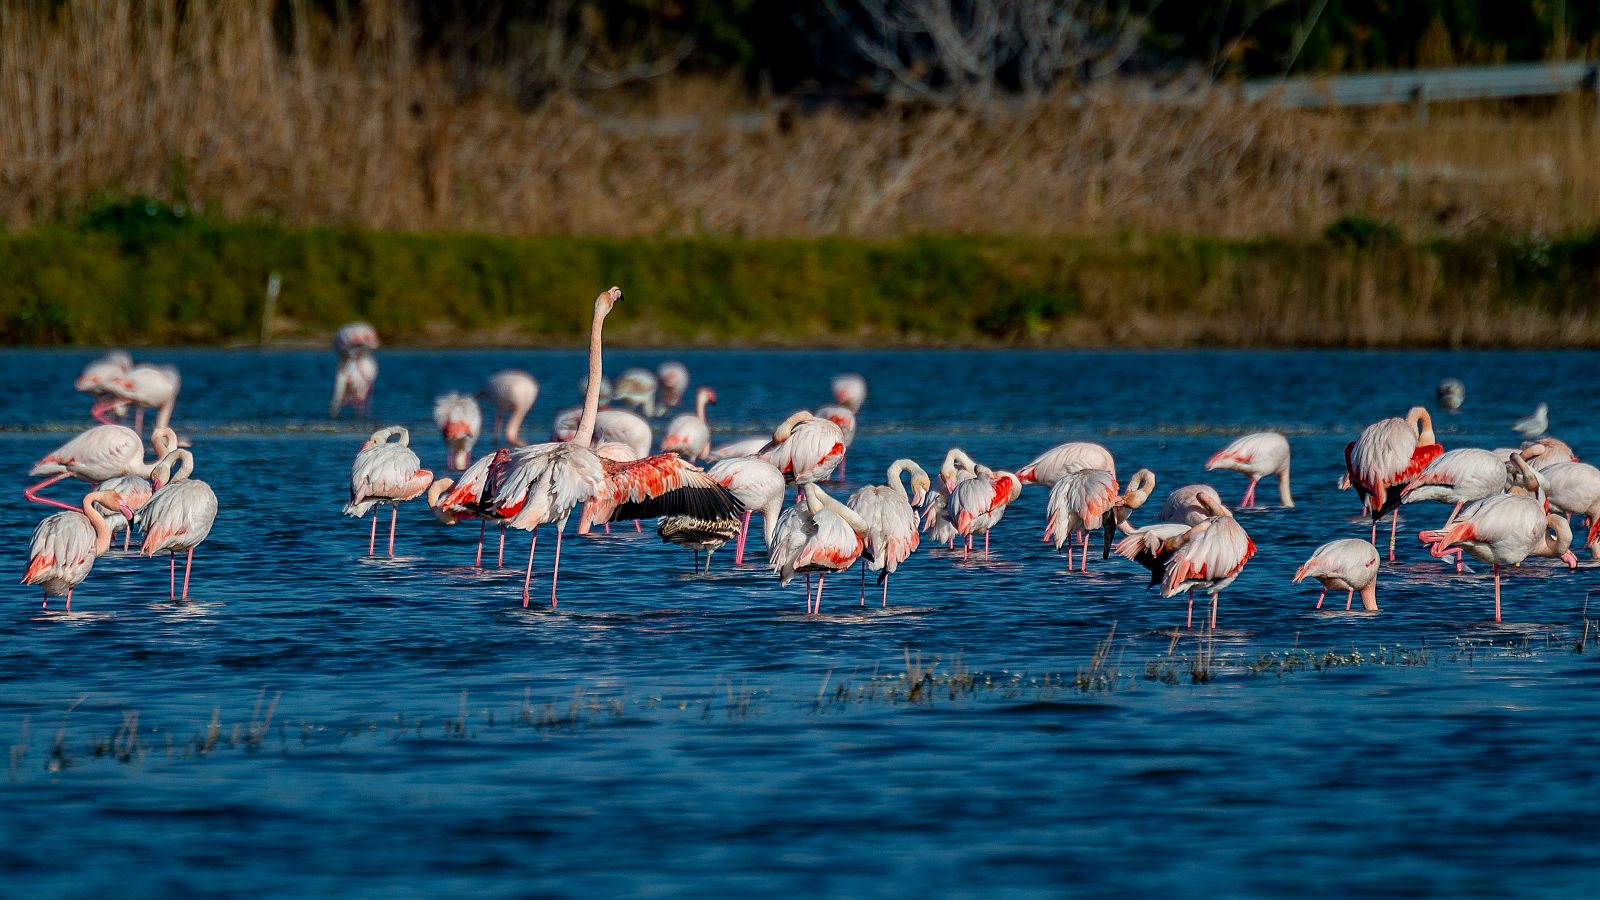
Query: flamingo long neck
x=102, y=531
x=591, y=390
x=1560, y=543
x=514, y=425
x=1285, y=498
x=700, y=405
x=1423, y=422
x=896, y=470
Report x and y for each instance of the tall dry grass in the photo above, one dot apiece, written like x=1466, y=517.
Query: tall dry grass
x=318, y=121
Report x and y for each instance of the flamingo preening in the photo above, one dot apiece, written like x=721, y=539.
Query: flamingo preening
x=845, y=418
x=66, y=544
x=1348, y=564
x=805, y=449
x=1503, y=531
x=148, y=387
x=1258, y=456
x=135, y=491
x=459, y=421
x=891, y=532
x=385, y=472
x=544, y=482
x=512, y=393
x=1088, y=501
x=1207, y=557
x=1384, y=459
x=1060, y=461
x=95, y=380
x=759, y=487
x=177, y=517
x=818, y=535
x=1546, y=451
x=688, y=435
x=979, y=503
x=935, y=512
x=99, y=454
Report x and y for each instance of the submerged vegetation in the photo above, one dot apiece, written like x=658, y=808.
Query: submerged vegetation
x=149, y=273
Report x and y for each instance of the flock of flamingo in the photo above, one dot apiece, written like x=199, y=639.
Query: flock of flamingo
x=1509, y=503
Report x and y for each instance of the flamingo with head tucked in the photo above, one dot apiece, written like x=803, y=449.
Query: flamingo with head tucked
x=843, y=417
x=979, y=503
x=459, y=421
x=758, y=486
x=65, y=545
x=804, y=448
x=1348, y=564
x=148, y=387
x=354, y=338
x=935, y=512
x=1089, y=500
x=135, y=491
x=512, y=393
x=817, y=535
x=95, y=380
x=101, y=453
x=1547, y=451
x=1060, y=461
x=890, y=515
x=750, y=446
x=1384, y=459
x=385, y=472
x=1258, y=456
x=1207, y=557
x=177, y=517
x=637, y=388
x=689, y=435
x=1503, y=531
x=611, y=426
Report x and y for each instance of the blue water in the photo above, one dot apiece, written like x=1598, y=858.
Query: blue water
x=667, y=734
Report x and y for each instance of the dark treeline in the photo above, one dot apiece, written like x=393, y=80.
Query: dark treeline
x=936, y=49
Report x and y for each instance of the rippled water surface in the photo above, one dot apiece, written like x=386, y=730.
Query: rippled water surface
x=316, y=721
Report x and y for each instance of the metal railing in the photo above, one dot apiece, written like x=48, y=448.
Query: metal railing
x=1425, y=86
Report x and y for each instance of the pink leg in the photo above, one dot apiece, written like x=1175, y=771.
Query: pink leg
x=886, y=592
x=172, y=576
x=372, y=539
x=1459, y=552
x=555, y=570
x=966, y=548
x=1213, y=610
x=187, y=564
x=69, y=599
x=1394, y=523
x=1189, y=622
x=394, y=516
x=500, y=561
x=126, y=534
x=863, y=584
x=986, y=546
x=528, y=577
x=1453, y=513
x=1068, y=545
x=138, y=420
x=637, y=528
x=1497, y=592
x=32, y=494
x=738, y=548
x=1320, y=596
x=1349, y=598
x=606, y=526
x=1083, y=564
x=1374, y=537
x=477, y=562
x=46, y=603
x=821, y=577
x=808, y=594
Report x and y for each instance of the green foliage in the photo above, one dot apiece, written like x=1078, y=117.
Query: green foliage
x=1362, y=231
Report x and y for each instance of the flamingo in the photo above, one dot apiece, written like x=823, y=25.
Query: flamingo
x=1190, y=504
x=673, y=378
x=96, y=379
x=1208, y=557
x=804, y=448
x=1503, y=531
x=544, y=482
x=637, y=388
x=65, y=545
x=758, y=486
x=178, y=516
x=512, y=392
x=459, y=420
x=1089, y=501
x=846, y=420
x=611, y=426
x=750, y=446
x=978, y=504
x=689, y=435
x=469, y=497
x=148, y=387
x=818, y=534
x=1058, y=462
x=353, y=383
x=849, y=391
x=1383, y=461
x=1348, y=564
x=1461, y=476
x=101, y=453
x=1534, y=426
x=890, y=515
x=698, y=534
x=1257, y=455
x=1573, y=488
x=1451, y=394
x=356, y=337
x=936, y=523
x=135, y=491
x=1546, y=451
x=385, y=472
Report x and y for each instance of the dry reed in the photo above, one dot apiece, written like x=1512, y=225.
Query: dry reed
x=312, y=120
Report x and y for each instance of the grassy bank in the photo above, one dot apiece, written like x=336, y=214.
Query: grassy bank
x=128, y=276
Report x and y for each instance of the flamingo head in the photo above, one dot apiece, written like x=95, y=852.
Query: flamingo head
x=920, y=485
x=709, y=395
x=607, y=299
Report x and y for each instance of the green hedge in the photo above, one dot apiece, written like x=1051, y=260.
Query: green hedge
x=140, y=273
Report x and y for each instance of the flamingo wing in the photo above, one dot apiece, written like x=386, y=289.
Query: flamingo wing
x=663, y=485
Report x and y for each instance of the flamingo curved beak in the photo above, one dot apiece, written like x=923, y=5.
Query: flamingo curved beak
x=127, y=513
x=1570, y=559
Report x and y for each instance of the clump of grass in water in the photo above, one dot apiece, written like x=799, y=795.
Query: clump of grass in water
x=1099, y=675
x=1201, y=668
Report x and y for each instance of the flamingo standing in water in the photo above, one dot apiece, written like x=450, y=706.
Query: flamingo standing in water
x=178, y=516
x=66, y=544
x=546, y=481
x=513, y=393
x=1058, y=462
x=1151, y=545
x=1464, y=475
x=99, y=454
x=1382, y=462
x=817, y=535
x=385, y=472
x=1208, y=557
x=148, y=387
x=849, y=391
x=979, y=503
x=459, y=420
x=1348, y=564
x=805, y=449
x=452, y=501
x=673, y=379
x=689, y=435
x=759, y=487
x=890, y=515
x=845, y=418
x=353, y=383
x=354, y=338
x=936, y=524
x=1258, y=456
x=95, y=380
x=1503, y=531
x=135, y=491
x=1573, y=488
x=1089, y=501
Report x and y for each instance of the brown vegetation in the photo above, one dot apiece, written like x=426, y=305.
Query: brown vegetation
x=312, y=121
